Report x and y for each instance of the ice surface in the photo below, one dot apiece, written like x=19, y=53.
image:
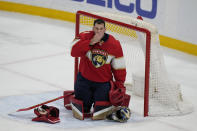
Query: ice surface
x=35, y=66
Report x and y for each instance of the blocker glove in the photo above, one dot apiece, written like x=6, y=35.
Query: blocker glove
x=117, y=93
x=47, y=114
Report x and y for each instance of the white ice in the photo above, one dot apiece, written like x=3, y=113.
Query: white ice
x=35, y=59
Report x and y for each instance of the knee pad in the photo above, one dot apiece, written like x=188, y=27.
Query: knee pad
x=101, y=110
x=77, y=108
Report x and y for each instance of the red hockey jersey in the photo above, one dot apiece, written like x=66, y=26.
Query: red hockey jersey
x=102, y=61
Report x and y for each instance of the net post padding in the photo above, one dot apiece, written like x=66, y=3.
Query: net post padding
x=149, y=78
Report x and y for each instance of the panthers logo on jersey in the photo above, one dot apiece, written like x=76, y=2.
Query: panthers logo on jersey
x=99, y=57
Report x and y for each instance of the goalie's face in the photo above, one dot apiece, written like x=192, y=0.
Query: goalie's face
x=99, y=29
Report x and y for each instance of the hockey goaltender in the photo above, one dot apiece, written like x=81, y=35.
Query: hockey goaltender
x=99, y=91
x=101, y=61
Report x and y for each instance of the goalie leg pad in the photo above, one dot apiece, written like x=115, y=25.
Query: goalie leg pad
x=101, y=110
x=77, y=108
x=67, y=99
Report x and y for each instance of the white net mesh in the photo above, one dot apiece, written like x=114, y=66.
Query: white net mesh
x=165, y=97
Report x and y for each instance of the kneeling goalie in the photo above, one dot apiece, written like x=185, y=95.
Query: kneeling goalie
x=101, y=60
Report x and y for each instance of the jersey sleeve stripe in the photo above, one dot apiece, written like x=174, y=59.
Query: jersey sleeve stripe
x=118, y=63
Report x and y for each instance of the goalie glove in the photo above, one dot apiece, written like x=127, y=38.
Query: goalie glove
x=46, y=113
x=120, y=114
x=117, y=93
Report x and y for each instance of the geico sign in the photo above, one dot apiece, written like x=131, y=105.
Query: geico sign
x=126, y=8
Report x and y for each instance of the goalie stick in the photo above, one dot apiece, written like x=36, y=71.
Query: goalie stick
x=46, y=102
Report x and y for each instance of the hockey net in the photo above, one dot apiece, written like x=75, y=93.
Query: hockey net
x=146, y=72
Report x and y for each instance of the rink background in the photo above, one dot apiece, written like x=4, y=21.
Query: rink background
x=35, y=60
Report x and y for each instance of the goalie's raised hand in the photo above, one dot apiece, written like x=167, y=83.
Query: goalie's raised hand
x=96, y=38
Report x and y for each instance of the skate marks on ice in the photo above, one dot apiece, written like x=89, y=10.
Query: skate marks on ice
x=10, y=104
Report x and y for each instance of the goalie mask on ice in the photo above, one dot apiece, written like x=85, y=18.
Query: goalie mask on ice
x=46, y=113
x=119, y=114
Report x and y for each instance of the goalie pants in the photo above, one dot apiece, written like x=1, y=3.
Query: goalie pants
x=90, y=92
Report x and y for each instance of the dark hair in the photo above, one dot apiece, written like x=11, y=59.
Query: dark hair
x=99, y=21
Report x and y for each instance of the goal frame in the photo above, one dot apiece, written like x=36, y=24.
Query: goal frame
x=147, y=55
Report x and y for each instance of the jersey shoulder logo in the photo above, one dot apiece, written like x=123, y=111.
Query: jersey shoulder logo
x=99, y=57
